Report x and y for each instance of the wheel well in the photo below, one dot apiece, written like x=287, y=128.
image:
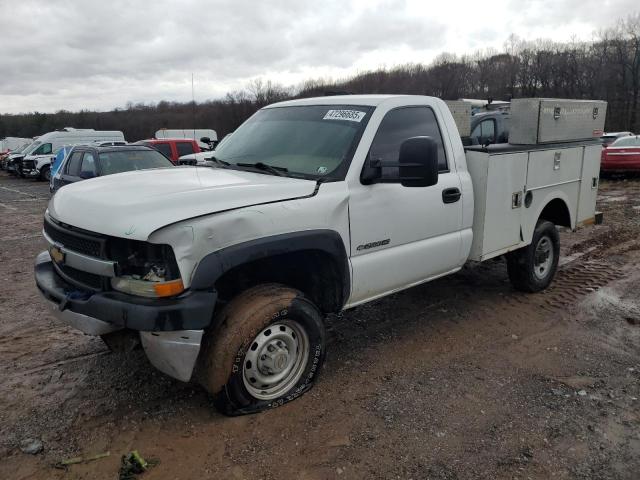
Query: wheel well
x=557, y=212
x=314, y=272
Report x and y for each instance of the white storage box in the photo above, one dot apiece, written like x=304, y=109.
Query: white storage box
x=551, y=120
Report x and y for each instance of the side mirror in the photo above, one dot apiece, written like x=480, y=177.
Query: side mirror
x=418, y=162
x=417, y=165
x=87, y=175
x=205, y=140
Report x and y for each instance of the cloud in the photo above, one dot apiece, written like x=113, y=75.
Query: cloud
x=73, y=54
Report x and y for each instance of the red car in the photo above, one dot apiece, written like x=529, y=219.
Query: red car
x=623, y=155
x=172, y=148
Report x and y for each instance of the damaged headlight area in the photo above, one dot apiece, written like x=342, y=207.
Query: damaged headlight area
x=145, y=269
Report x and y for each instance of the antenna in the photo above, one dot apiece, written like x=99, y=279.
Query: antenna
x=193, y=108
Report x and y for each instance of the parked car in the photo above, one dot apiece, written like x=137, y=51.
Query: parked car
x=86, y=161
x=172, y=148
x=6, y=158
x=41, y=166
x=609, y=137
x=50, y=142
x=623, y=155
x=317, y=205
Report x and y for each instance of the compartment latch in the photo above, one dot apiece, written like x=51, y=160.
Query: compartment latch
x=516, y=199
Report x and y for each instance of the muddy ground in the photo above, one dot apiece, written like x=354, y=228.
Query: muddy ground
x=461, y=378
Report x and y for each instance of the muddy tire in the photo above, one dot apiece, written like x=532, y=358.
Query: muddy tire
x=266, y=350
x=532, y=268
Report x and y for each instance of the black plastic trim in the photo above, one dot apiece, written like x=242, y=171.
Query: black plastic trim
x=214, y=265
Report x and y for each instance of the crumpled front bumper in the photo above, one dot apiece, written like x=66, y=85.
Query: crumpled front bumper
x=172, y=351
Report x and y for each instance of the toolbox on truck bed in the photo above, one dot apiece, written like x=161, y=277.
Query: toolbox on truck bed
x=550, y=120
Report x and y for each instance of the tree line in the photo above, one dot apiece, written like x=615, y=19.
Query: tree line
x=607, y=68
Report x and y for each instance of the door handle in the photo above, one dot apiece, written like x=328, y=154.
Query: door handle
x=451, y=195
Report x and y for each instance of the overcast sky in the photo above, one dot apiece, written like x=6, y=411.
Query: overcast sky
x=57, y=54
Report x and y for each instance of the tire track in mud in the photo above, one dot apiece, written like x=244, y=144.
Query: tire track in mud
x=58, y=363
x=572, y=282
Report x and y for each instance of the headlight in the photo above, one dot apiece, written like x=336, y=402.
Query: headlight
x=146, y=288
x=145, y=269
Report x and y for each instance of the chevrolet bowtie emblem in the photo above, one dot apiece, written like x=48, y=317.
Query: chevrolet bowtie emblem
x=56, y=253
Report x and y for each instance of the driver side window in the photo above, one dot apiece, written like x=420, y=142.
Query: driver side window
x=397, y=126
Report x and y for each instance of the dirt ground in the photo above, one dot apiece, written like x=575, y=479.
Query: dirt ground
x=461, y=378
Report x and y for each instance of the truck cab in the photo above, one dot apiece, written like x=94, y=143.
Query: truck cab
x=311, y=207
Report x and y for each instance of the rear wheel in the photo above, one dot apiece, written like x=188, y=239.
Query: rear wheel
x=532, y=268
x=267, y=350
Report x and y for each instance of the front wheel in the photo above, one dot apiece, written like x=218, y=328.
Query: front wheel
x=267, y=350
x=45, y=173
x=532, y=268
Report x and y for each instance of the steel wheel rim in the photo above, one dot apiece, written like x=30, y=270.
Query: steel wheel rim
x=543, y=258
x=275, y=360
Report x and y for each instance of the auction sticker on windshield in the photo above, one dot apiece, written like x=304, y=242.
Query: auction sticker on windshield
x=351, y=115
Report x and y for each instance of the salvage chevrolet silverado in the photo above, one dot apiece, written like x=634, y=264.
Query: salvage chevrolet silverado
x=312, y=206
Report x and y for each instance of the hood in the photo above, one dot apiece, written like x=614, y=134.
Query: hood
x=135, y=204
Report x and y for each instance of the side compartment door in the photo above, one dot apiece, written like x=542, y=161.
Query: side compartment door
x=402, y=236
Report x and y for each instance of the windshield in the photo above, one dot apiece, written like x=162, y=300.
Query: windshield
x=21, y=149
x=627, y=142
x=308, y=141
x=30, y=148
x=125, y=161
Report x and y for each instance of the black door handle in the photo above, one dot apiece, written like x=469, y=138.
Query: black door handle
x=451, y=195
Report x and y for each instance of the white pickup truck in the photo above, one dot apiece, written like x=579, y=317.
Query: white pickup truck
x=314, y=206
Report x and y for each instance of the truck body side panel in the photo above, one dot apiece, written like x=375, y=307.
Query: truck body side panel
x=513, y=186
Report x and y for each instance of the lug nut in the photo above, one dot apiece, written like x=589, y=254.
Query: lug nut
x=270, y=348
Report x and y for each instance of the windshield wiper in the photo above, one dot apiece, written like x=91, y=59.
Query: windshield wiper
x=217, y=161
x=279, y=171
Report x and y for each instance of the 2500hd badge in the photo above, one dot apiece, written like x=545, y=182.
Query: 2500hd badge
x=379, y=243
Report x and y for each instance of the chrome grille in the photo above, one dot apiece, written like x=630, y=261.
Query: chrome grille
x=87, y=244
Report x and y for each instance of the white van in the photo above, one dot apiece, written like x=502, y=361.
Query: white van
x=38, y=156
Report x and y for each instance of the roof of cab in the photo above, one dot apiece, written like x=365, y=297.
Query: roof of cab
x=365, y=100
x=113, y=148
